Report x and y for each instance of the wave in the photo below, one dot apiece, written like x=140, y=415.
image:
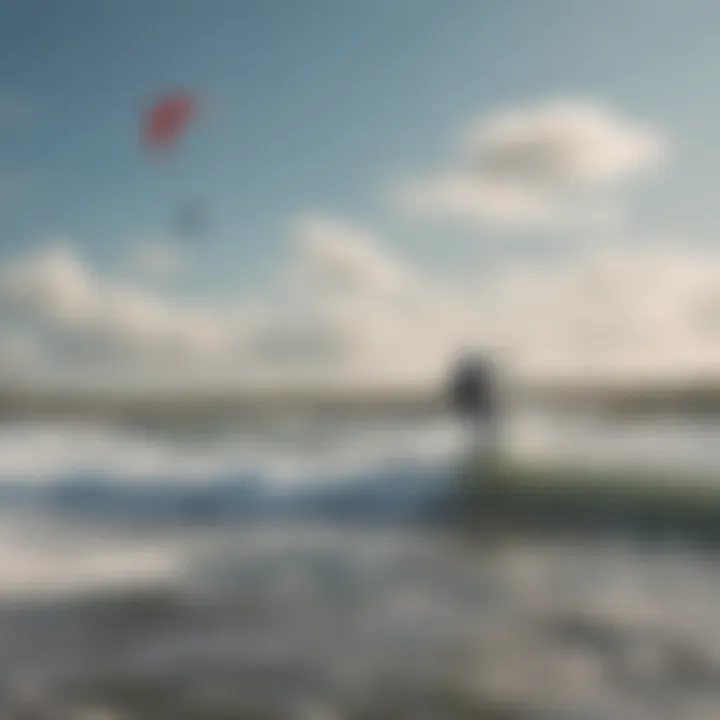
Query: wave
x=346, y=469
x=341, y=470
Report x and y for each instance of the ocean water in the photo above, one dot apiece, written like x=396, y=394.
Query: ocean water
x=297, y=571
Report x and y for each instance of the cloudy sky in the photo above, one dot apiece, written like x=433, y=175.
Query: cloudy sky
x=381, y=184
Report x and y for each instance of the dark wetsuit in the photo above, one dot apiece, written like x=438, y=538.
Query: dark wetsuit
x=474, y=397
x=472, y=391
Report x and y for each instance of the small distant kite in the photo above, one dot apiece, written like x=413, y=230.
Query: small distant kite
x=190, y=220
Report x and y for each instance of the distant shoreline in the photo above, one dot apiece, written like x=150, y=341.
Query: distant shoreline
x=687, y=398
x=207, y=406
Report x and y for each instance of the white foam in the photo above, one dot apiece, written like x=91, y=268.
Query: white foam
x=47, y=454
x=662, y=442
x=53, y=452
x=41, y=559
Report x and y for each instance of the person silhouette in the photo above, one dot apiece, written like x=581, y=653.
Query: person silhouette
x=474, y=397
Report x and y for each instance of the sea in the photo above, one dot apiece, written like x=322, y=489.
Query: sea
x=306, y=570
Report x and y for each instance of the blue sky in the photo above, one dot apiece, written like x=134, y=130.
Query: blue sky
x=318, y=104
x=321, y=106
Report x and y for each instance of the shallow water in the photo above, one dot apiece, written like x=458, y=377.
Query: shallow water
x=318, y=621
x=147, y=578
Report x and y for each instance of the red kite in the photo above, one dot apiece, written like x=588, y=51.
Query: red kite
x=167, y=119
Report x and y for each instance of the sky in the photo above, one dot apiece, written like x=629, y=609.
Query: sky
x=382, y=183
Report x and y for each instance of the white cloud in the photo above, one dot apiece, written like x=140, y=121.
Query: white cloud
x=359, y=314
x=20, y=354
x=563, y=143
x=459, y=195
x=555, y=165
x=97, y=325
x=652, y=310
x=157, y=258
x=57, y=294
x=338, y=257
x=623, y=313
